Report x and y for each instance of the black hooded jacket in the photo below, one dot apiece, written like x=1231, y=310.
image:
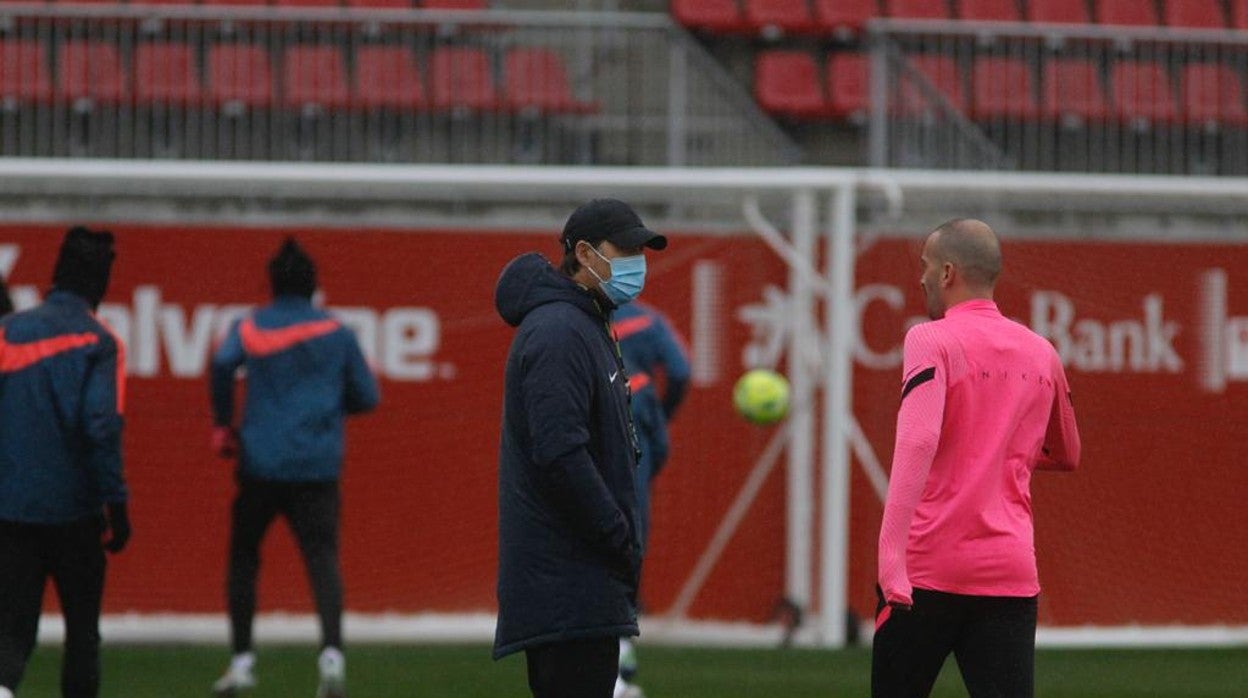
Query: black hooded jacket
x=568, y=560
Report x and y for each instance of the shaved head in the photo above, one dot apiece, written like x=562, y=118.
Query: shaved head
x=972, y=247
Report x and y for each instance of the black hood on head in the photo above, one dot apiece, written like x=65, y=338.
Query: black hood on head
x=292, y=272
x=85, y=264
x=529, y=281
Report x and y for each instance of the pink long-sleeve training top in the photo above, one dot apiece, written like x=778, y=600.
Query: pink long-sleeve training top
x=984, y=402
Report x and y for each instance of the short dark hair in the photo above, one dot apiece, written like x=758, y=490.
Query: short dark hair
x=6, y=304
x=84, y=263
x=291, y=271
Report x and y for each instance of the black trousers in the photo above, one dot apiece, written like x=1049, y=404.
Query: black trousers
x=993, y=639
x=72, y=556
x=576, y=669
x=312, y=509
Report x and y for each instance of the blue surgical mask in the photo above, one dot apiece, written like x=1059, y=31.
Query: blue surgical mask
x=628, y=277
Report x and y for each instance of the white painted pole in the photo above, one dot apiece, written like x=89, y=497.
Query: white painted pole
x=837, y=412
x=803, y=332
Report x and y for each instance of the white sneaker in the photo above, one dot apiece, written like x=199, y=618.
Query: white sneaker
x=333, y=668
x=624, y=689
x=239, y=677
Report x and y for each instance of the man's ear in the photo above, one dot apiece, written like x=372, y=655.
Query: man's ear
x=948, y=272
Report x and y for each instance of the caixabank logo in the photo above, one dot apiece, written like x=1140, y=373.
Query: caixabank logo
x=164, y=337
x=1224, y=337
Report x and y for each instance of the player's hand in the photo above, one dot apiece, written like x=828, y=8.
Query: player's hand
x=118, y=526
x=224, y=442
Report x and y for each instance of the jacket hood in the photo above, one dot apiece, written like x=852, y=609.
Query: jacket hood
x=529, y=281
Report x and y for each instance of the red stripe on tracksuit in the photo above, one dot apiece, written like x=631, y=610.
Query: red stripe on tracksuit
x=261, y=342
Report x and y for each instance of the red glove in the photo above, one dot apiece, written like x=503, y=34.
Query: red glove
x=224, y=442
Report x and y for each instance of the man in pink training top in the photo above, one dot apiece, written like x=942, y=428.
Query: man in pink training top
x=984, y=402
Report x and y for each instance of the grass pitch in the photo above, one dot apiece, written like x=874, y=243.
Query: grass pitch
x=416, y=671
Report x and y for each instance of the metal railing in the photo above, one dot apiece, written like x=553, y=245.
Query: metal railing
x=1014, y=96
x=343, y=84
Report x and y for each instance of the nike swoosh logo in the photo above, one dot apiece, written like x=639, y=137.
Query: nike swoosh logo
x=613, y=375
x=259, y=342
x=15, y=357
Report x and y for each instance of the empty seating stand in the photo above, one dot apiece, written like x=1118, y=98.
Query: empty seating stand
x=777, y=17
x=916, y=9
x=166, y=74
x=462, y=80
x=387, y=78
x=90, y=73
x=712, y=16
x=1143, y=94
x=315, y=78
x=1202, y=14
x=1003, y=88
x=989, y=10
x=1057, y=11
x=1139, y=13
x=25, y=76
x=844, y=19
x=1072, y=93
x=239, y=77
x=536, y=81
x=849, y=87
x=1213, y=96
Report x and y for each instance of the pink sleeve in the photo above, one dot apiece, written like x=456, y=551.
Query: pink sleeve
x=1061, y=441
x=925, y=379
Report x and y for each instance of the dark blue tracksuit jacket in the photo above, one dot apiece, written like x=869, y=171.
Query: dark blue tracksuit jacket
x=62, y=388
x=650, y=349
x=305, y=372
x=568, y=547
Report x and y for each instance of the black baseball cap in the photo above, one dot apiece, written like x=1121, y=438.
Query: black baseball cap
x=609, y=219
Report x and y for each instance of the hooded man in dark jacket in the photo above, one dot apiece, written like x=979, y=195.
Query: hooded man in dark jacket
x=62, y=389
x=569, y=553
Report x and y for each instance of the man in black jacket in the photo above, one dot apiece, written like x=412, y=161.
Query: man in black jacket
x=569, y=555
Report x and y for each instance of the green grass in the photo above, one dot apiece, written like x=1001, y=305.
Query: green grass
x=467, y=672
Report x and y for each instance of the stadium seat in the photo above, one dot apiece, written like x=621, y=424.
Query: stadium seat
x=239, y=76
x=787, y=84
x=1239, y=14
x=237, y=2
x=24, y=72
x=1057, y=11
x=461, y=78
x=314, y=76
x=787, y=16
x=849, y=86
x=1142, y=92
x=1003, y=88
x=537, y=79
x=844, y=19
x=916, y=9
x=1205, y=14
x=1135, y=13
x=91, y=70
x=306, y=3
x=386, y=77
x=989, y=10
x=714, y=16
x=942, y=73
x=380, y=4
x=1213, y=94
x=454, y=4
x=165, y=74
x=1072, y=91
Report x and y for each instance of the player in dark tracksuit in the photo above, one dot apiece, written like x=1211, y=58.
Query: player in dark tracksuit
x=62, y=389
x=304, y=373
x=652, y=352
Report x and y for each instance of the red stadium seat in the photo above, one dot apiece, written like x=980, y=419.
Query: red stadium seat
x=537, y=79
x=714, y=16
x=990, y=10
x=1057, y=11
x=942, y=73
x=386, y=77
x=237, y=2
x=1205, y=14
x=917, y=9
x=1142, y=92
x=461, y=78
x=1072, y=91
x=381, y=4
x=789, y=16
x=844, y=18
x=239, y=75
x=849, y=86
x=1239, y=14
x=454, y=4
x=306, y=3
x=1003, y=87
x=1135, y=13
x=91, y=70
x=314, y=75
x=24, y=72
x=787, y=84
x=1213, y=94
x=166, y=74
